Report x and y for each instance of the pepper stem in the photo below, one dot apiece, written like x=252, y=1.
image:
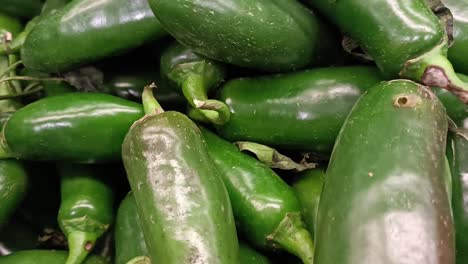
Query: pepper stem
x=272, y=158
x=150, y=104
x=434, y=69
x=79, y=244
x=292, y=236
x=193, y=88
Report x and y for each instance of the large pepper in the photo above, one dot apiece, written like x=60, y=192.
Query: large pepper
x=86, y=208
x=266, y=209
x=85, y=31
x=78, y=127
x=183, y=205
x=263, y=34
x=385, y=196
x=457, y=151
x=405, y=38
x=303, y=110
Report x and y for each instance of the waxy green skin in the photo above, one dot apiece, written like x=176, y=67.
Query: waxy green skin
x=44, y=257
x=250, y=256
x=457, y=53
x=384, y=198
x=308, y=188
x=302, y=110
x=71, y=36
x=86, y=208
x=391, y=31
x=263, y=34
x=21, y=8
x=78, y=127
x=183, y=205
x=13, y=186
x=260, y=198
x=129, y=238
x=457, y=151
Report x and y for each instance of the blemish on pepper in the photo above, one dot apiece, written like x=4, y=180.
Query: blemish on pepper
x=407, y=100
x=88, y=246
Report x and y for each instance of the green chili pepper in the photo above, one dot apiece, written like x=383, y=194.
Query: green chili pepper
x=308, y=188
x=86, y=210
x=457, y=151
x=86, y=30
x=405, y=38
x=302, y=110
x=268, y=35
x=21, y=8
x=385, y=198
x=129, y=239
x=183, y=205
x=13, y=185
x=457, y=52
x=194, y=76
x=265, y=208
x=78, y=127
x=44, y=257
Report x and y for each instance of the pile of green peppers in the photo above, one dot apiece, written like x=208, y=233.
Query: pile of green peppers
x=233, y=132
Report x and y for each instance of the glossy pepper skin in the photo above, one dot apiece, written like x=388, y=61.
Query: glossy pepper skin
x=78, y=127
x=308, y=188
x=405, y=38
x=457, y=52
x=266, y=209
x=13, y=186
x=129, y=238
x=302, y=110
x=262, y=34
x=195, y=76
x=44, y=257
x=457, y=151
x=385, y=198
x=249, y=255
x=183, y=205
x=85, y=31
x=86, y=208
x=21, y=8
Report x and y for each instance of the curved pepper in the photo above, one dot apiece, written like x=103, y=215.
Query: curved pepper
x=385, y=195
x=13, y=186
x=86, y=30
x=405, y=38
x=78, y=127
x=265, y=208
x=44, y=257
x=86, y=209
x=183, y=205
x=194, y=76
x=457, y=151
x=457, y=53
x=263, y=34
x=303, y=110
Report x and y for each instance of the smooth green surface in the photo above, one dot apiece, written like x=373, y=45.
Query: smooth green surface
x=44, y=257
x=78, y=127
x=308, y=188
x=21, y=8
x=458, y=157
x=87, y=30
x=390, y=31
x=303, y=110
x=86, y=208
x=458, y=52
x=260, y=199
x=129, y=238
x=13, y=186
x=183, y=205
x=456, y=110
x=264, y=34
x=384, y=198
